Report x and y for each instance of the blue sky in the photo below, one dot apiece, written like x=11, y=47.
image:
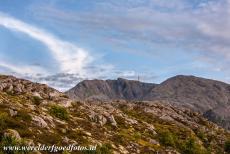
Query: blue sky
x=61, y=42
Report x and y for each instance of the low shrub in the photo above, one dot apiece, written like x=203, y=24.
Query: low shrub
x=227, y=146
x=3, y=121
x=104, y=149
x=6, y=121
x=23, y=115
x=10, y=141
x=166, y=138
x=59, y=112
x=191, y=147
x=36, y=100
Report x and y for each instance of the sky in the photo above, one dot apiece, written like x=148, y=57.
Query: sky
x=62, y=42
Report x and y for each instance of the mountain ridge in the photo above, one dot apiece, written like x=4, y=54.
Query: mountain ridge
x=207, y=96
x=110, y=89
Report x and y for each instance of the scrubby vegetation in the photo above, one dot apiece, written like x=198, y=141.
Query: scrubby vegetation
x=59, y=112
x=167, y=138
x=227, y=146
x=36, y=100
x=11, y=141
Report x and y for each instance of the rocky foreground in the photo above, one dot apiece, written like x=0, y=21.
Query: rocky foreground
x=33, y=114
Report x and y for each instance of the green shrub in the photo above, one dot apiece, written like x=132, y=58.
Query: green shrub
x=25, y=133
x=7, y=121
x=201, y=135
x=227, y=146
x=9, y=141
x=104, y=149
x=23, y=115
x=191, y=147
x=120, y=122
x=167, y=138
x=119, y=139
x=3, y=121
x=137, y=135
x=36, y=100
x=59, y=112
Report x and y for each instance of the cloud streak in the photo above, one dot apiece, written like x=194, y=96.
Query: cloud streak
x=71, y=59
x=200, y=27
x=32, y=70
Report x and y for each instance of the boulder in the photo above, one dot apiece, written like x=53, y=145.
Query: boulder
x=36, y=94
x=112, y=120
x=97, y=118
x=152, y=141
x=101, y=119
x=39, y=122
x=12, y=134
x=10, y=88
x=13, y=112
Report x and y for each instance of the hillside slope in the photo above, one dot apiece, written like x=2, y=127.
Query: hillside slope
x=209, y=97
x=36, y=114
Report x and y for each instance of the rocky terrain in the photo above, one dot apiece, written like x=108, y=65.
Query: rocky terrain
x=208, y=97
x=33, y=114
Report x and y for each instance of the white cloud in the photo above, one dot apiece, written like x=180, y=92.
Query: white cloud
x=71, y=58
x=32, y=70
x=200, y=27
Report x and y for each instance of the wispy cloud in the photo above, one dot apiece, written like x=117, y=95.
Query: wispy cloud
x=32, y=70
x=72, y=59
x=201, y=27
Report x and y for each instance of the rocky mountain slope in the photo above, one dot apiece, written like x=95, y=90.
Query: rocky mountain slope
x=33, y=114
x=209, y=97
x=110, y=89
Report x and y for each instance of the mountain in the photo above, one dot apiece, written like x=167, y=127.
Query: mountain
x=206, y=96
x=33, y=114
x=110, y=90
x=209, y=97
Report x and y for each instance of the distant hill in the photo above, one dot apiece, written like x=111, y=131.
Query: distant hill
x=110, y=90
x=209, y=97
